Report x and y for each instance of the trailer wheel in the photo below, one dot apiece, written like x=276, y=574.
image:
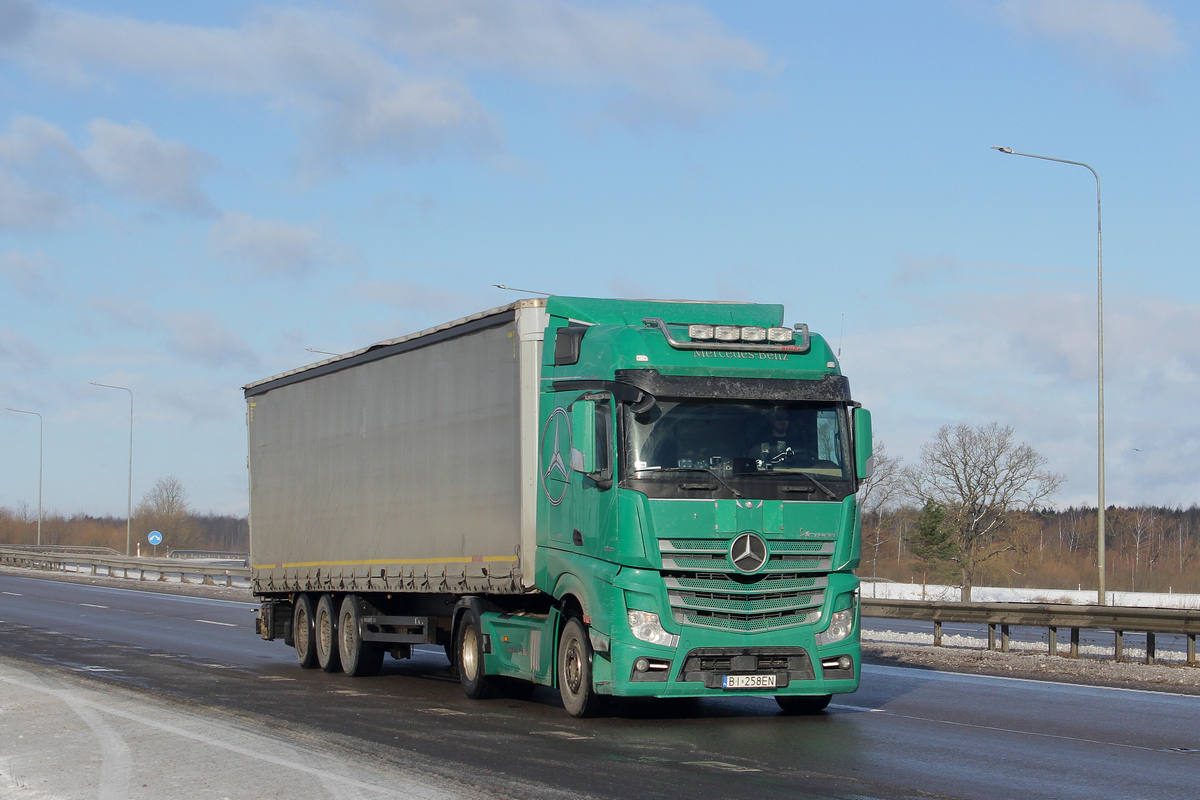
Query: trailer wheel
x=803, y=704
x=476, y=683
x=325, y=625
x=575, y=671
x=359, y=658
x=303, y=635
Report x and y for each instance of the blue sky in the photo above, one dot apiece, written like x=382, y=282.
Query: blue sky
x=191, y=194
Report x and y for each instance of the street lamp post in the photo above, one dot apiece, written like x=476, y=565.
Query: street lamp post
x=1100, y=360
x=39, y=416
x=129, y=512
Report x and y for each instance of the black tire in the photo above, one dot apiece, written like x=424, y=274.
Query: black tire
x=476, y=683
x=359, y=659
x=303, y=636
x=325, y=627
x=575, y=671
x=803, y=704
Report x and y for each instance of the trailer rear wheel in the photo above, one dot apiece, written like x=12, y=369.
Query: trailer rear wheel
x=303, y=635
x=359, y=658
x=575, y=671
x=326, y=635
x=476, y=683
x=803, y=704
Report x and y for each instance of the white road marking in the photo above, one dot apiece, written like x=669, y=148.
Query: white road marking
x=12, y=594
x=445, y=712
x=225, y=624
x=92, y=605
x=562, y=735
x=721, y=765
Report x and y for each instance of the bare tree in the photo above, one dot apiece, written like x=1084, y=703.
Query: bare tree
x=980, y=476
x=165, y=509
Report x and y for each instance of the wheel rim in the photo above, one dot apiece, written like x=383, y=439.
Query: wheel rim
x=347, y=631
x=301, y=632
x=572, y=667
x=470, y=653
x=324, y=633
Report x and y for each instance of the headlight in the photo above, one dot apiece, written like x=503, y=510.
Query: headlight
x=646, y=626
x=840, y=626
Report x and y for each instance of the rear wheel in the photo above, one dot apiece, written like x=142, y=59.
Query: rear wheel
x=476, y=683
x=359, y=658
x=575, y=671
x=325, y=628
x=303, y=636
x=803, y=704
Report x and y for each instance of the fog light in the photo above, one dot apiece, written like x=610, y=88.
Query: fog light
x=642, y=664
x=844, y=662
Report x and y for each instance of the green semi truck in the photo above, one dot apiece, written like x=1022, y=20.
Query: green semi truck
x=616, y=498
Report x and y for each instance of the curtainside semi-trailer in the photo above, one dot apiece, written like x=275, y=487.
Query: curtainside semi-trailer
x=615, y=498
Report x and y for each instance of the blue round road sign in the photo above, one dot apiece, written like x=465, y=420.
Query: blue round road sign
x=154, y=538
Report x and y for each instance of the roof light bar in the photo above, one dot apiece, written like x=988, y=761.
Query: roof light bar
x=781, y=335
x=728, y=333
x=754, y=334
x=700, y=333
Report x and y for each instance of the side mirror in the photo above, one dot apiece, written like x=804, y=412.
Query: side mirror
x=864, y=451
x=583, y=436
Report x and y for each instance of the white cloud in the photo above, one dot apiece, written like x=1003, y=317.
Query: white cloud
x=18, y=352
x=34, y=277
x=664, y=57
x=1114, y=36
x=132, y=161
x=199, y=336
x=44, y=176
x=351, y=71
x=1029, y=360
x=269, y=246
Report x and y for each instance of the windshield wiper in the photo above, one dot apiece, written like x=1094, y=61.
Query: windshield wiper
x=734, y=491
x=815, y=483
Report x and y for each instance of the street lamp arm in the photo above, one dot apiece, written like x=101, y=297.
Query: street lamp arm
x=1100, y=531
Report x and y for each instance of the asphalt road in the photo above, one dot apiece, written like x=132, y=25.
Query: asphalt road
x=906, y=733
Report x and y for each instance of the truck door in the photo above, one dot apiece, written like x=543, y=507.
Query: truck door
x=594, y=508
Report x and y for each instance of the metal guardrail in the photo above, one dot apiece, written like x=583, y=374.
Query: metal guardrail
x=121, y=567
x=223, y=554
x=62, y=548
x=1052, y=616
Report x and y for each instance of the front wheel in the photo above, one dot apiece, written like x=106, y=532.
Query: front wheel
x=575, y=671
x=803, y=704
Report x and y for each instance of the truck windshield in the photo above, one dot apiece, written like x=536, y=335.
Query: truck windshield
x=736, y=440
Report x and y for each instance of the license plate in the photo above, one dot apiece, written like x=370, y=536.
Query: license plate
x=748, y=682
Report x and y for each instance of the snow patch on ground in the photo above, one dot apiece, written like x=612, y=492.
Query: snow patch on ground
x=1064, y=649
x=989, y=594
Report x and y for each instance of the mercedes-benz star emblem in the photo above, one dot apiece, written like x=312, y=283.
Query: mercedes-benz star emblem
x=748, y=552
x=554, y=468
